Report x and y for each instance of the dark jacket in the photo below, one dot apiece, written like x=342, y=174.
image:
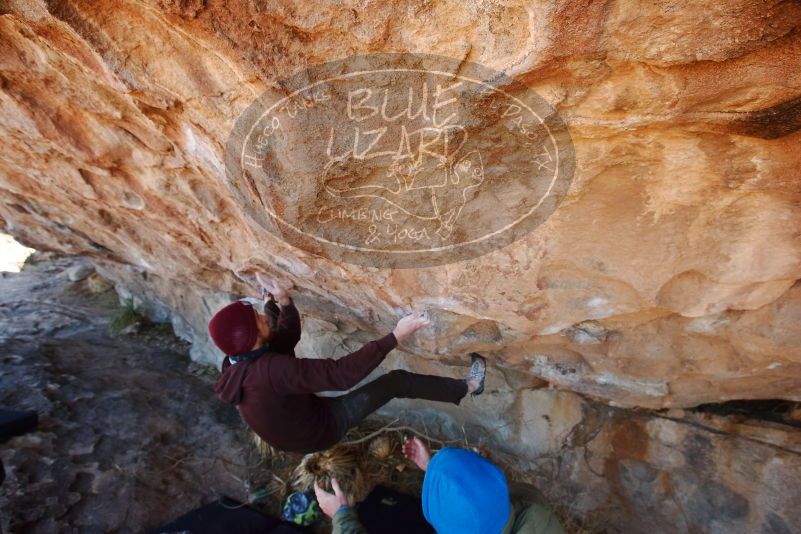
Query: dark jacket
x=275, y=392
x=530, y=514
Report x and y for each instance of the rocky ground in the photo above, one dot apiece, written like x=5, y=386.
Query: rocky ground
x=129, y=437
x=130, y=434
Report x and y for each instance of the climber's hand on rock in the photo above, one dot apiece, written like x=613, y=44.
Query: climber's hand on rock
x=410, y=324
x=330, y=503
x=271, y=286
x=417, y=452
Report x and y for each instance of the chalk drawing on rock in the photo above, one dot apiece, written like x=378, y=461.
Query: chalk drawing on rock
x=399, y=160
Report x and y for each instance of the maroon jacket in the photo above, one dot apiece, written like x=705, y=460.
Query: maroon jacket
x=275, y=392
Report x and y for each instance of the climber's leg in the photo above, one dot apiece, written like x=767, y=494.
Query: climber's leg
x=350, y=409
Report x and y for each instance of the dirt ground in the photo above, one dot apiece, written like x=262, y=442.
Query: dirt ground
x=131, y=435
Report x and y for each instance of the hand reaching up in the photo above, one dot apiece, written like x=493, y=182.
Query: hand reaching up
x=417, y=452
x=410, y=324
x=271, y=285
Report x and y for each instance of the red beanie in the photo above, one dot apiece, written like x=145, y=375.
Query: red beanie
x=234, y=328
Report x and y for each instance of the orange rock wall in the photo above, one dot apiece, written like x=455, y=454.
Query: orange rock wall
x=667, y=277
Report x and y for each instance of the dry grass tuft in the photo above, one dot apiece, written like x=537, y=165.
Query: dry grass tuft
x=339, y=462
x=264, y=448
x=382, y=447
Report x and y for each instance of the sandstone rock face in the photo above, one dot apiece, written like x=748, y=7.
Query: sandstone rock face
x=128, y=437
x=667, y=277
x=678, y=238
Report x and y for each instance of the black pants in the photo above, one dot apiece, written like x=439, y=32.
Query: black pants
x=350, y=409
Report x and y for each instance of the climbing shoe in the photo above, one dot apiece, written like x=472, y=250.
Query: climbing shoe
x=478, y=369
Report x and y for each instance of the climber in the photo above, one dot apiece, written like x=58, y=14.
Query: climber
x=463, y=493
x=275, y=391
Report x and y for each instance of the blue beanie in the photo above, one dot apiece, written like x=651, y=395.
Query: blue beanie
x=464, y=493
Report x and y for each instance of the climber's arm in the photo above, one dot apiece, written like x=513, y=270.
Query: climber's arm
x=287, y=331
x=289, y=375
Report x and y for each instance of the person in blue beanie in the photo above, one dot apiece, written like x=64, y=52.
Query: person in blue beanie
x=463, y=493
